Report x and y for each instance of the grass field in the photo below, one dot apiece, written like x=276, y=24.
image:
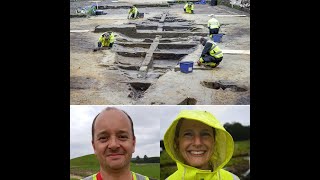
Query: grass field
x=238, y=163
x=87, y=165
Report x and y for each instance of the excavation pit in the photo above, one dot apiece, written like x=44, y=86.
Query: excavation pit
x=154, y=49
x=168, y=56
x=175, y=46
x=223, y=86
x=132, y=54
x=188, y=101
x=144, y=27
x=137, y=89
x=133, y=45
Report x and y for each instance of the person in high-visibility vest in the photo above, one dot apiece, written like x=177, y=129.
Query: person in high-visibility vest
x=188, y=8
x=213, y=25
x=200, y=146
x=114, y=142
x=133, y=12
x=106, y=40
x=211, y=54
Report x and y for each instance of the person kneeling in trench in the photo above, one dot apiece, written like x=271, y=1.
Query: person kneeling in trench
x=106, y=41
x=211, y=54
x=188, y=8
x=133, y=13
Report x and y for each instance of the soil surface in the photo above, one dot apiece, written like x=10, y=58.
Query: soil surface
x=107, y=77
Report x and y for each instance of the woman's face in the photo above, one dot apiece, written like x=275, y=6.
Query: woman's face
x=195, y=143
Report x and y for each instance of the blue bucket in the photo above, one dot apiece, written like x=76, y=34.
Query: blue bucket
x=99, y=12
x=141, y=15
x=186, y=66
x=217, y=37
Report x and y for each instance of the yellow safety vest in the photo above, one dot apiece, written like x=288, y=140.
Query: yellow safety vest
x=106, y=42
x=215, y=51
x=189, y=8
x=213, y=23
x=134, y=11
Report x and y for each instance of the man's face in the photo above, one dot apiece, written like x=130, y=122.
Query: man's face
x=195, y=143
x=113, y=141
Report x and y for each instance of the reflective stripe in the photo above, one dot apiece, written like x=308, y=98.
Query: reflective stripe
x=137, y=176
x=213, y=47
x=92, y=177
x=134, y=176
x=235, y=177
x=217, y=52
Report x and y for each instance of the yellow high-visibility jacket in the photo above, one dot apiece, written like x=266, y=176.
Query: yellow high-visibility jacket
x=188, y=8
x=222, y=153
x=133, y=10
x=213, y=23
x=106, y=42
x=215, y=50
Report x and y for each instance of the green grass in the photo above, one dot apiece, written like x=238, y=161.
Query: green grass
x=241, y=148
x=168, y=166
x=87, y=165
x=239, y=163
x=84, y=166
x=148, y=169
x=165, y=159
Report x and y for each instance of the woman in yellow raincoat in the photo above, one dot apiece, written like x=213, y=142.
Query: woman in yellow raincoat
x=200, y=146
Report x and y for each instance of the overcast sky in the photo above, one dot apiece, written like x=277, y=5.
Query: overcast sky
x=149, y=122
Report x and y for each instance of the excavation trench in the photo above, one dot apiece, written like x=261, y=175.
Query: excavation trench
x=151, y=48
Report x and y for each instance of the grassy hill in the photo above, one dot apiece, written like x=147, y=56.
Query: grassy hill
x=84, y=166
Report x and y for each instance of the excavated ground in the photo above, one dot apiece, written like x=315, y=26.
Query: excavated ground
x=142, y=67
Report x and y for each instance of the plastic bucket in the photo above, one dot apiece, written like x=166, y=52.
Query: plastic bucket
x=141, y=15
x=99, y=12
x=186, y=66
x=217, y=37
x=214, y=2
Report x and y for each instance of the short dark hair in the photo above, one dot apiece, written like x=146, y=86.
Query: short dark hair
x=108, y=109
x=202, y=39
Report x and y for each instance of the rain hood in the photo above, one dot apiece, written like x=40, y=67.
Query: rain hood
x=222, y=153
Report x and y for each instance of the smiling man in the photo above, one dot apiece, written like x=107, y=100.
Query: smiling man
x=113, y=141
x=200, y=146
